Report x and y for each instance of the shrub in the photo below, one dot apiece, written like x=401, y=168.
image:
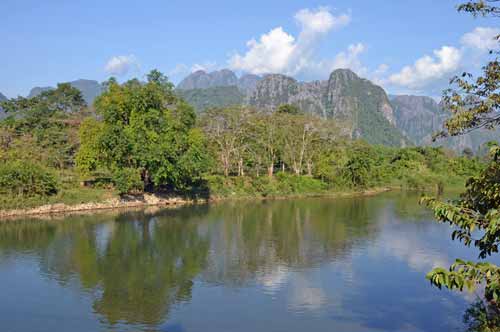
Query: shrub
x=128, y=181
x=22, y=178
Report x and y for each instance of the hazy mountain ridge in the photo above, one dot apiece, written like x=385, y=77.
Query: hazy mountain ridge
x=420, y=117
x=200, y=79
x=90, y=89
x=2, y=98
x=221, y=96
x=363, y=108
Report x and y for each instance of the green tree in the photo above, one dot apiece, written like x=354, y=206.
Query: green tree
x=42, y=128
x=356, y=171
x=226, y=129
x=145, y=129
x=476, y=216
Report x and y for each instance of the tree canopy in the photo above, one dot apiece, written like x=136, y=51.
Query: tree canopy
x=476, y=215
x=146, y=133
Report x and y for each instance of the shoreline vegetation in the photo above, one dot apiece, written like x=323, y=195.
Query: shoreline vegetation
x=156, y=200
x=58, y=154
x=148, y=200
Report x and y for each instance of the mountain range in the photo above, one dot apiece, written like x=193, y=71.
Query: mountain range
x=364, y=108
x=2, y=98
x=219, y=78
x=90, y=89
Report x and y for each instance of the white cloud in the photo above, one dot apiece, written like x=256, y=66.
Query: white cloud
x=272, y=53
x=381, y=70
x=428, y=69
x=350, y=58
x=179, y=69
x=279, y=52
x=321, y=20
x=121, y=64
x=430, y=72
x=481, y=38
x=205, y=66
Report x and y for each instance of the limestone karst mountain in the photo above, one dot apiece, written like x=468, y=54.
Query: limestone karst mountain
x=356, y=102
x=203, y=80
x=420, y=117
x=90, y=89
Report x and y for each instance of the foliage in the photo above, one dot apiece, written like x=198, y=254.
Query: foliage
x=90, y=135
x=356, y=171
x=214, y=97
x=18, y=178
x=43, y=128
x=146, y=127
x=289, y=109
x=128, y=180
x=476, y=216
x=144, y=137
x=282, y=184
x=481, y=317
x=480, y=8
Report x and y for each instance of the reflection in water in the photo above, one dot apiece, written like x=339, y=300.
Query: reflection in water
x=355, y=264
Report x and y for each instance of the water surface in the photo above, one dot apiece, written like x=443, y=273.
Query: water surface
x=354, y=264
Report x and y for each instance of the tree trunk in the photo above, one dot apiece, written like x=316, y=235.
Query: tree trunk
x=270, y=170
x=309, y=168
x=225, y=165
x=241, y=172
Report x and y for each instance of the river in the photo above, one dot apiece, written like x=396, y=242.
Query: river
x=316, y=264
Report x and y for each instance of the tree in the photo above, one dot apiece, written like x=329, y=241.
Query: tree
x=226, y=129
x=145, y=128
x=476, y=215
x=299, y=132
x=267, y=141
x=43, y=128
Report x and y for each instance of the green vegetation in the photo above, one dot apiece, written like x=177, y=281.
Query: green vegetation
x=220, y=96
x=141, y=137
x=475, y=104
x=147, y=134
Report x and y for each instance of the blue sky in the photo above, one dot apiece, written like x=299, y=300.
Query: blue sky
x=406, y=46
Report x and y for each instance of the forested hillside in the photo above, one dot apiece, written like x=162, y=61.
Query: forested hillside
x=141, y=137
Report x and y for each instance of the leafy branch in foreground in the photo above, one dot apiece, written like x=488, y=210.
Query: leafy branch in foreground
x=480, y=8
x=475, y=103
x=476, y=218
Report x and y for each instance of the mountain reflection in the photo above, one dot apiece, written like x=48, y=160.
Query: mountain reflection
x=136, y=266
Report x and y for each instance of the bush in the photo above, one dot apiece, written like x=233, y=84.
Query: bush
x=22, y=178
x=128, y=181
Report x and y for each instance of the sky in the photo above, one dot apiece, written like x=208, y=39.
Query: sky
x=405, y=46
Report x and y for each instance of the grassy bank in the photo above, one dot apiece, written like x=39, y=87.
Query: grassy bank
x=73, y=197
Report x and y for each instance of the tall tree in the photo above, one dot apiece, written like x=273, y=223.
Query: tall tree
x=43, y=128
x=147, y=131
x=226, y=129
x=476, y=216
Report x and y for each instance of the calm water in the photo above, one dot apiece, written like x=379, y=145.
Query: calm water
x=300, y=265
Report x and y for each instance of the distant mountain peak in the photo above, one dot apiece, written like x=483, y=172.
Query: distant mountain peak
x=90, y=89
x=201, y=79
x=360, y=105
x=345, y=73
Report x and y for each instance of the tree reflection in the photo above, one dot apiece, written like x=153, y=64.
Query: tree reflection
x=135, y=266
x=256, y=238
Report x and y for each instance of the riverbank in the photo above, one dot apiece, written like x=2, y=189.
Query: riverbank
x=152, y=200
x=128, y=202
